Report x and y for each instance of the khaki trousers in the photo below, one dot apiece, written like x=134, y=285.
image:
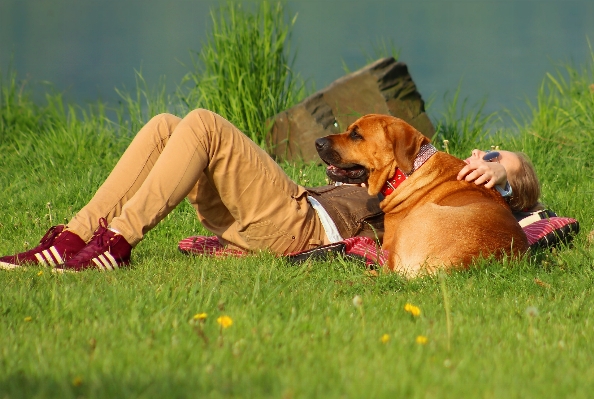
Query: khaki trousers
x=239, y=192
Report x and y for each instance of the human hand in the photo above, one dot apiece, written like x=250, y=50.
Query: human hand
x=483, y=172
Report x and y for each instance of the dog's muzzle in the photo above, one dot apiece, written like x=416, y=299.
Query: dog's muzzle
x=337, y=170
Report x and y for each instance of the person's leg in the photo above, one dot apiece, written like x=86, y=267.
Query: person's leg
x=239, y=192
x=63, y=242
x=127, y=176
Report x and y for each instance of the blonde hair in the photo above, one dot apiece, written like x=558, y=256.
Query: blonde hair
x=525, y=186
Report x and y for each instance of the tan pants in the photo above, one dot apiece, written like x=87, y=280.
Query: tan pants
x=238, y=191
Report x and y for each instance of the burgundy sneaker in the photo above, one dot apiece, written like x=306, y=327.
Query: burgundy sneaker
x=55, y=248
x=107, y=250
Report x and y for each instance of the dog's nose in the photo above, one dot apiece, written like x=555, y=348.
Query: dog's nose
x=322, y=144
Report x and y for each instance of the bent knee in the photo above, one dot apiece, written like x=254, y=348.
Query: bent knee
x=165, y=118
x=208, y=119
x=202, y=122
x=159, y=127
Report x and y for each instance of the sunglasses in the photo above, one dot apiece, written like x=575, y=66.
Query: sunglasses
x=491, y=156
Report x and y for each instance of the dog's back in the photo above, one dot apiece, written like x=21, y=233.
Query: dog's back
x=434, y=220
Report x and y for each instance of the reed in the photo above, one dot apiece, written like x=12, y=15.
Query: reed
x=244, y=71
x=462, y=125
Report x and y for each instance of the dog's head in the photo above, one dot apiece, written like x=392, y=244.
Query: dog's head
x=370, y=150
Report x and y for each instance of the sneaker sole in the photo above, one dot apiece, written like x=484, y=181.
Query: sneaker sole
x=12, y=266
x=62, y=271
x=9, y=266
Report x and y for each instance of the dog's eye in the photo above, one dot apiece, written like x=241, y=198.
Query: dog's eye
x=354, y=135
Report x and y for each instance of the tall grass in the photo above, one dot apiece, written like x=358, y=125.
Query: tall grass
x=54, y=156
x=145, y=101
x=18, y=112
x=560, y=139
x=245, y=72
x=463, y=126
x=562, y=114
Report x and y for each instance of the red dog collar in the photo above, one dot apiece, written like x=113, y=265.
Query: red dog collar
x=393, y=182
x=425, y=152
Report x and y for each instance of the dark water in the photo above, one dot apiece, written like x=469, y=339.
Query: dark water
x=499, y=50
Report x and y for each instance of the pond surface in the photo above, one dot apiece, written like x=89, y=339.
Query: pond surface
x=497, y=50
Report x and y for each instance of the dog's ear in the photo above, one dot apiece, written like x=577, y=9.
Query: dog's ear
x=406, y=143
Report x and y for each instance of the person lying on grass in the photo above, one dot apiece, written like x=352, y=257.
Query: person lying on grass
x=239, y=192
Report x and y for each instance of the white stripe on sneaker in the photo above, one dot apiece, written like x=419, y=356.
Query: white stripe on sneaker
x=98, y=263
x=57, y=256
x=40, y=259
x=8, y=266
x=101, y=260
x=113, y=261
x=106, y=262
x=49, y=258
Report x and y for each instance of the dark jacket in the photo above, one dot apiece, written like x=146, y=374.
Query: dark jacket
x=354, y=212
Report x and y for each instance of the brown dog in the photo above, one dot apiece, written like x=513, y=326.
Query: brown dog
x=432, y=220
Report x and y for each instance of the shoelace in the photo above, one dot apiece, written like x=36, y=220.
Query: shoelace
x=46, y=241
x=101, y=236
x=99, y=240
x=50, y=236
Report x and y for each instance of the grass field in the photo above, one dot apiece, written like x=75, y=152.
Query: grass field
x=520, y=329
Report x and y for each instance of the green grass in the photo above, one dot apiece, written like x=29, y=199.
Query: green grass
x=519, y=329
x=245, y=72
x=295, y=332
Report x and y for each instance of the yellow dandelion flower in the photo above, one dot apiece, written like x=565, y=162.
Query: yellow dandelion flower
x=28, y=318
x=385, y=338
x=412, y=309
x=421, y=340
x=200, y=316
x=77, y=381
x=40, y=273
x=225, y=321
